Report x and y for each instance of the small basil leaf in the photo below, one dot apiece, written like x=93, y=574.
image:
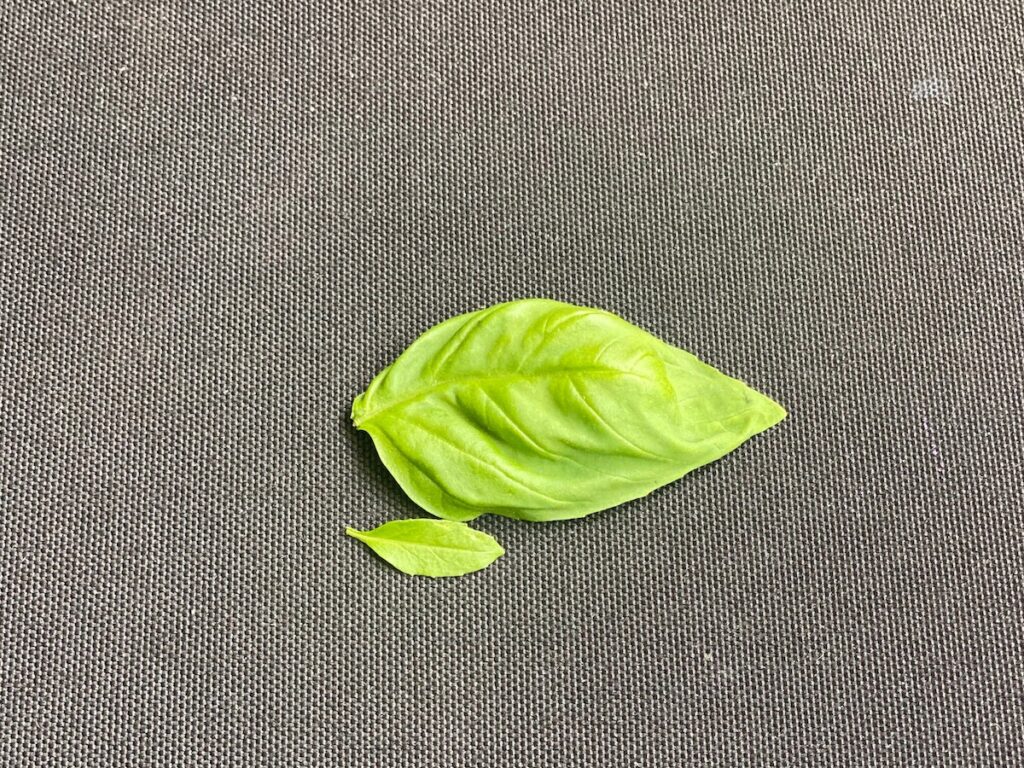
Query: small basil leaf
x=430, y=547
x=540, y=410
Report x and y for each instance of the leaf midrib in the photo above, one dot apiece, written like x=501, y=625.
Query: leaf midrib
x=498, y=377
x=399, y=542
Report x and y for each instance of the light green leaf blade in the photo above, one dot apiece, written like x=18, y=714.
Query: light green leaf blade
x=540, y=410
x=429, y=547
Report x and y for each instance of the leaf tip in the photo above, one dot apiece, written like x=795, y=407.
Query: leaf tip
x=769, y=412
x=776, y=412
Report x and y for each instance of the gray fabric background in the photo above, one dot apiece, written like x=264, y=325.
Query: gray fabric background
x=218, y=220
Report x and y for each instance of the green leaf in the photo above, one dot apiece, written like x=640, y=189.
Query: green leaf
x=540, y=410
x=430, y=547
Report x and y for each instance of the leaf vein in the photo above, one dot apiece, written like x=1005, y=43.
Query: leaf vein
x=511, y=376
x=493, y=467
x=608, y=426
x=550, y=454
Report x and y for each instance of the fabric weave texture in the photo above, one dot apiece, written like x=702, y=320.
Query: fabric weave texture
x=218, y=221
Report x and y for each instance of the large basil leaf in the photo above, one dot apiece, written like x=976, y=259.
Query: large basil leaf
x=431, y=547
x=541, y=410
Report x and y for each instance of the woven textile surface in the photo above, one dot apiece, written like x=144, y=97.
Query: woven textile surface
x=218, y=220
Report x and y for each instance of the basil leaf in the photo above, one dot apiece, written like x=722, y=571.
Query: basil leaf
x=431, y=547
x=540, y=410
